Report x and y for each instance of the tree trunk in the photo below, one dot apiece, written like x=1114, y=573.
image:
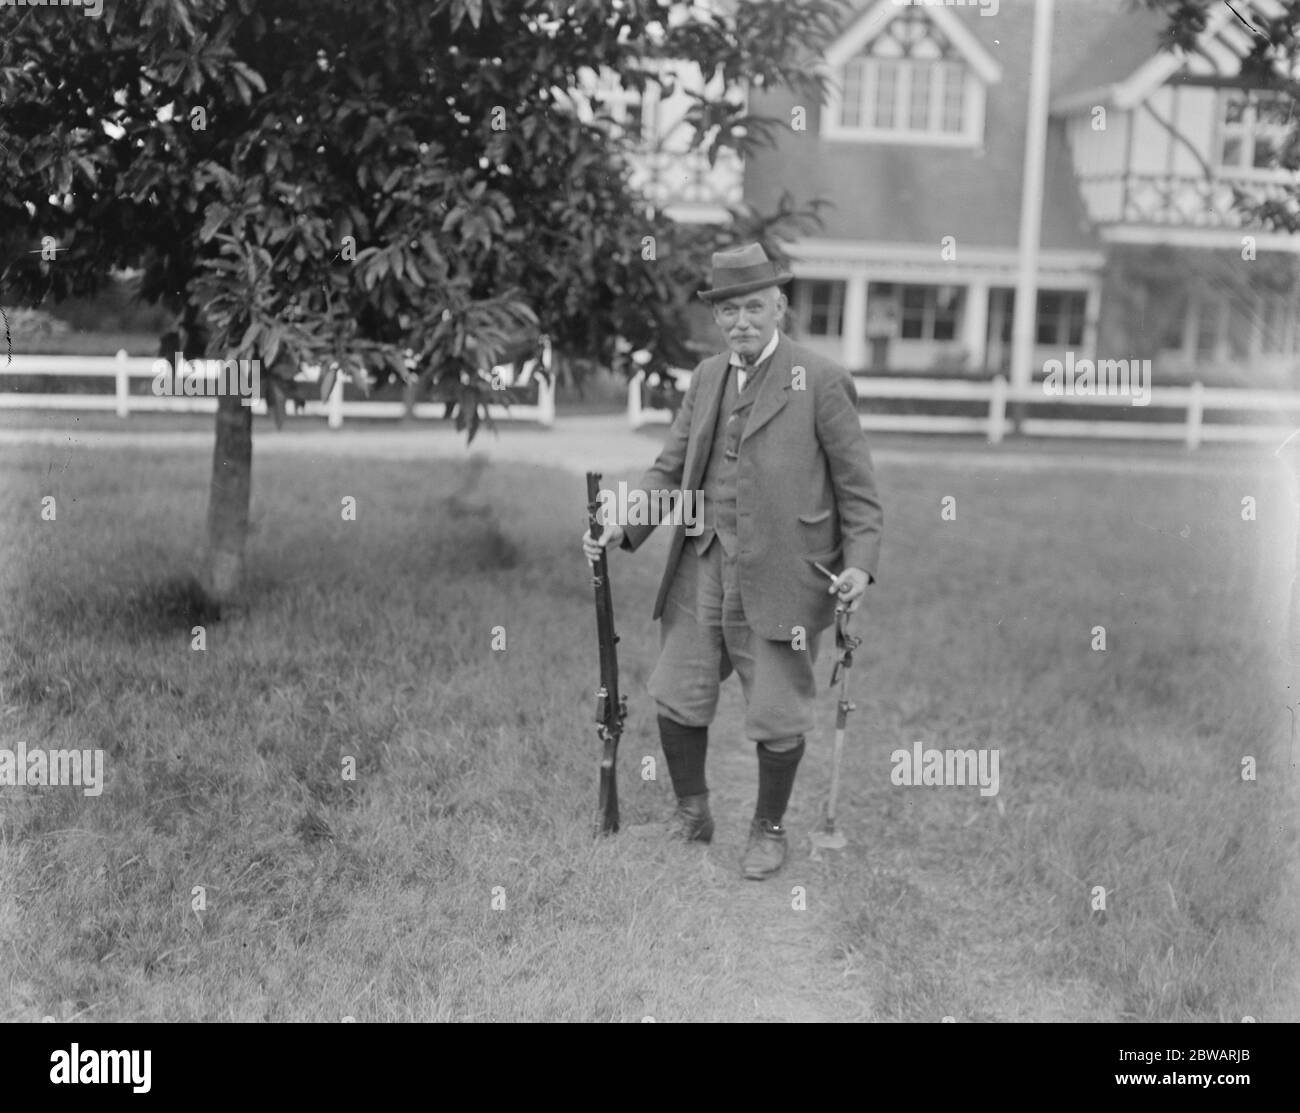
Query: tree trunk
x=232, y=474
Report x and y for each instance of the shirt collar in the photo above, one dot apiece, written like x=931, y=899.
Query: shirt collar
x=766, y=353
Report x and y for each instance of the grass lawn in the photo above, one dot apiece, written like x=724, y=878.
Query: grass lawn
x=80, y=343
x=231, y=871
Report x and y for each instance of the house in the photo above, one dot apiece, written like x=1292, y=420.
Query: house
x=919, y=146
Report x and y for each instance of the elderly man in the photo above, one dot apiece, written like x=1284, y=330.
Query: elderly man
x=769, y=436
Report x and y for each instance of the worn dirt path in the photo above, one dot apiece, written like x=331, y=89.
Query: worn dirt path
x=605, y=443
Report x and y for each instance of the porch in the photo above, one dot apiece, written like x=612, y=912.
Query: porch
x=908, y=310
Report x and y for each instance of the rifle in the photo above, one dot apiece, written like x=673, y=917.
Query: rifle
x=611, y=708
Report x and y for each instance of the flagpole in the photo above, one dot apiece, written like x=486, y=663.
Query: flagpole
x=1031, y=205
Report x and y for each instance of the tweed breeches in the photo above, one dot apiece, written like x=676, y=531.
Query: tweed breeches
x=704, y=637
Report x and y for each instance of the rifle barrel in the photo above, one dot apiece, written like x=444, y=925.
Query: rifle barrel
x=611, y=707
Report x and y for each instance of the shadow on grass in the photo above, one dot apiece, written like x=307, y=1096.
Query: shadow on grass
x=175, y=604
x=170, y=606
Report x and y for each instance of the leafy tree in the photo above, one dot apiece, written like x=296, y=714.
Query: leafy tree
x=1273, y=61
x=394, y=189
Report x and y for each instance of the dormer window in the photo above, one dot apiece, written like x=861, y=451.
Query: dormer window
x=909, y=84
x=909, y=95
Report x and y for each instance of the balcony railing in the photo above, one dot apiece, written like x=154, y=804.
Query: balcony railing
x=1183, y=201
x=684, y=180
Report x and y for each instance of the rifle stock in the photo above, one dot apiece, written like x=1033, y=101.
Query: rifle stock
x=611, y=706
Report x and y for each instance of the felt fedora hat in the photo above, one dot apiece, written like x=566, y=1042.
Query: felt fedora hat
x=742, y=270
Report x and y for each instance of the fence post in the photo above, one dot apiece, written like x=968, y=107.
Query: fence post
x=1195, y=412
x=334, y=407
x=123, y=387
x=998, y=410
x=546, y=391
x=546, y=400
x=634, y=399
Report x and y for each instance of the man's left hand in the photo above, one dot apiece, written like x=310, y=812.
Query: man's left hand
x=849, y=588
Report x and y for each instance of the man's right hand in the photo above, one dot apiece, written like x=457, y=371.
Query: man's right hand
x=610, y=535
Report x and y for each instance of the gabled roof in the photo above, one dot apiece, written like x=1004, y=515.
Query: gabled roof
x=1126, y=59
x=875, y=18
x=916, y=194
x=1109, y=49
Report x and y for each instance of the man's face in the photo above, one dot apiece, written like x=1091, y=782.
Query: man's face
x=748, y=321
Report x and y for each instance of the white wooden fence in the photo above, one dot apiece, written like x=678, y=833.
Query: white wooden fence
x=1193, y=400
x=123, y=368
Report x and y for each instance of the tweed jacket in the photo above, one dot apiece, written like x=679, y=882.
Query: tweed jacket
x=805, y=489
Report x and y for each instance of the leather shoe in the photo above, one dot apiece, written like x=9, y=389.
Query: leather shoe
x=765, y=853
x=691, y=821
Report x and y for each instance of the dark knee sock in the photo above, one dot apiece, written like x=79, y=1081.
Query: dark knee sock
x=776, y=770
x=685, y=749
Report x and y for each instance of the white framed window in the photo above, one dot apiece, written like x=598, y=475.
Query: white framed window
x=1059, y=321
x=930, y=312
x=599, y=97
x=1280, y=319
x=908, y=85
x=819, y=306
x=1253, y=128
x=901, y=99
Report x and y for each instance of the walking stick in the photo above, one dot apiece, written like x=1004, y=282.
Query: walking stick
x=830, y=837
